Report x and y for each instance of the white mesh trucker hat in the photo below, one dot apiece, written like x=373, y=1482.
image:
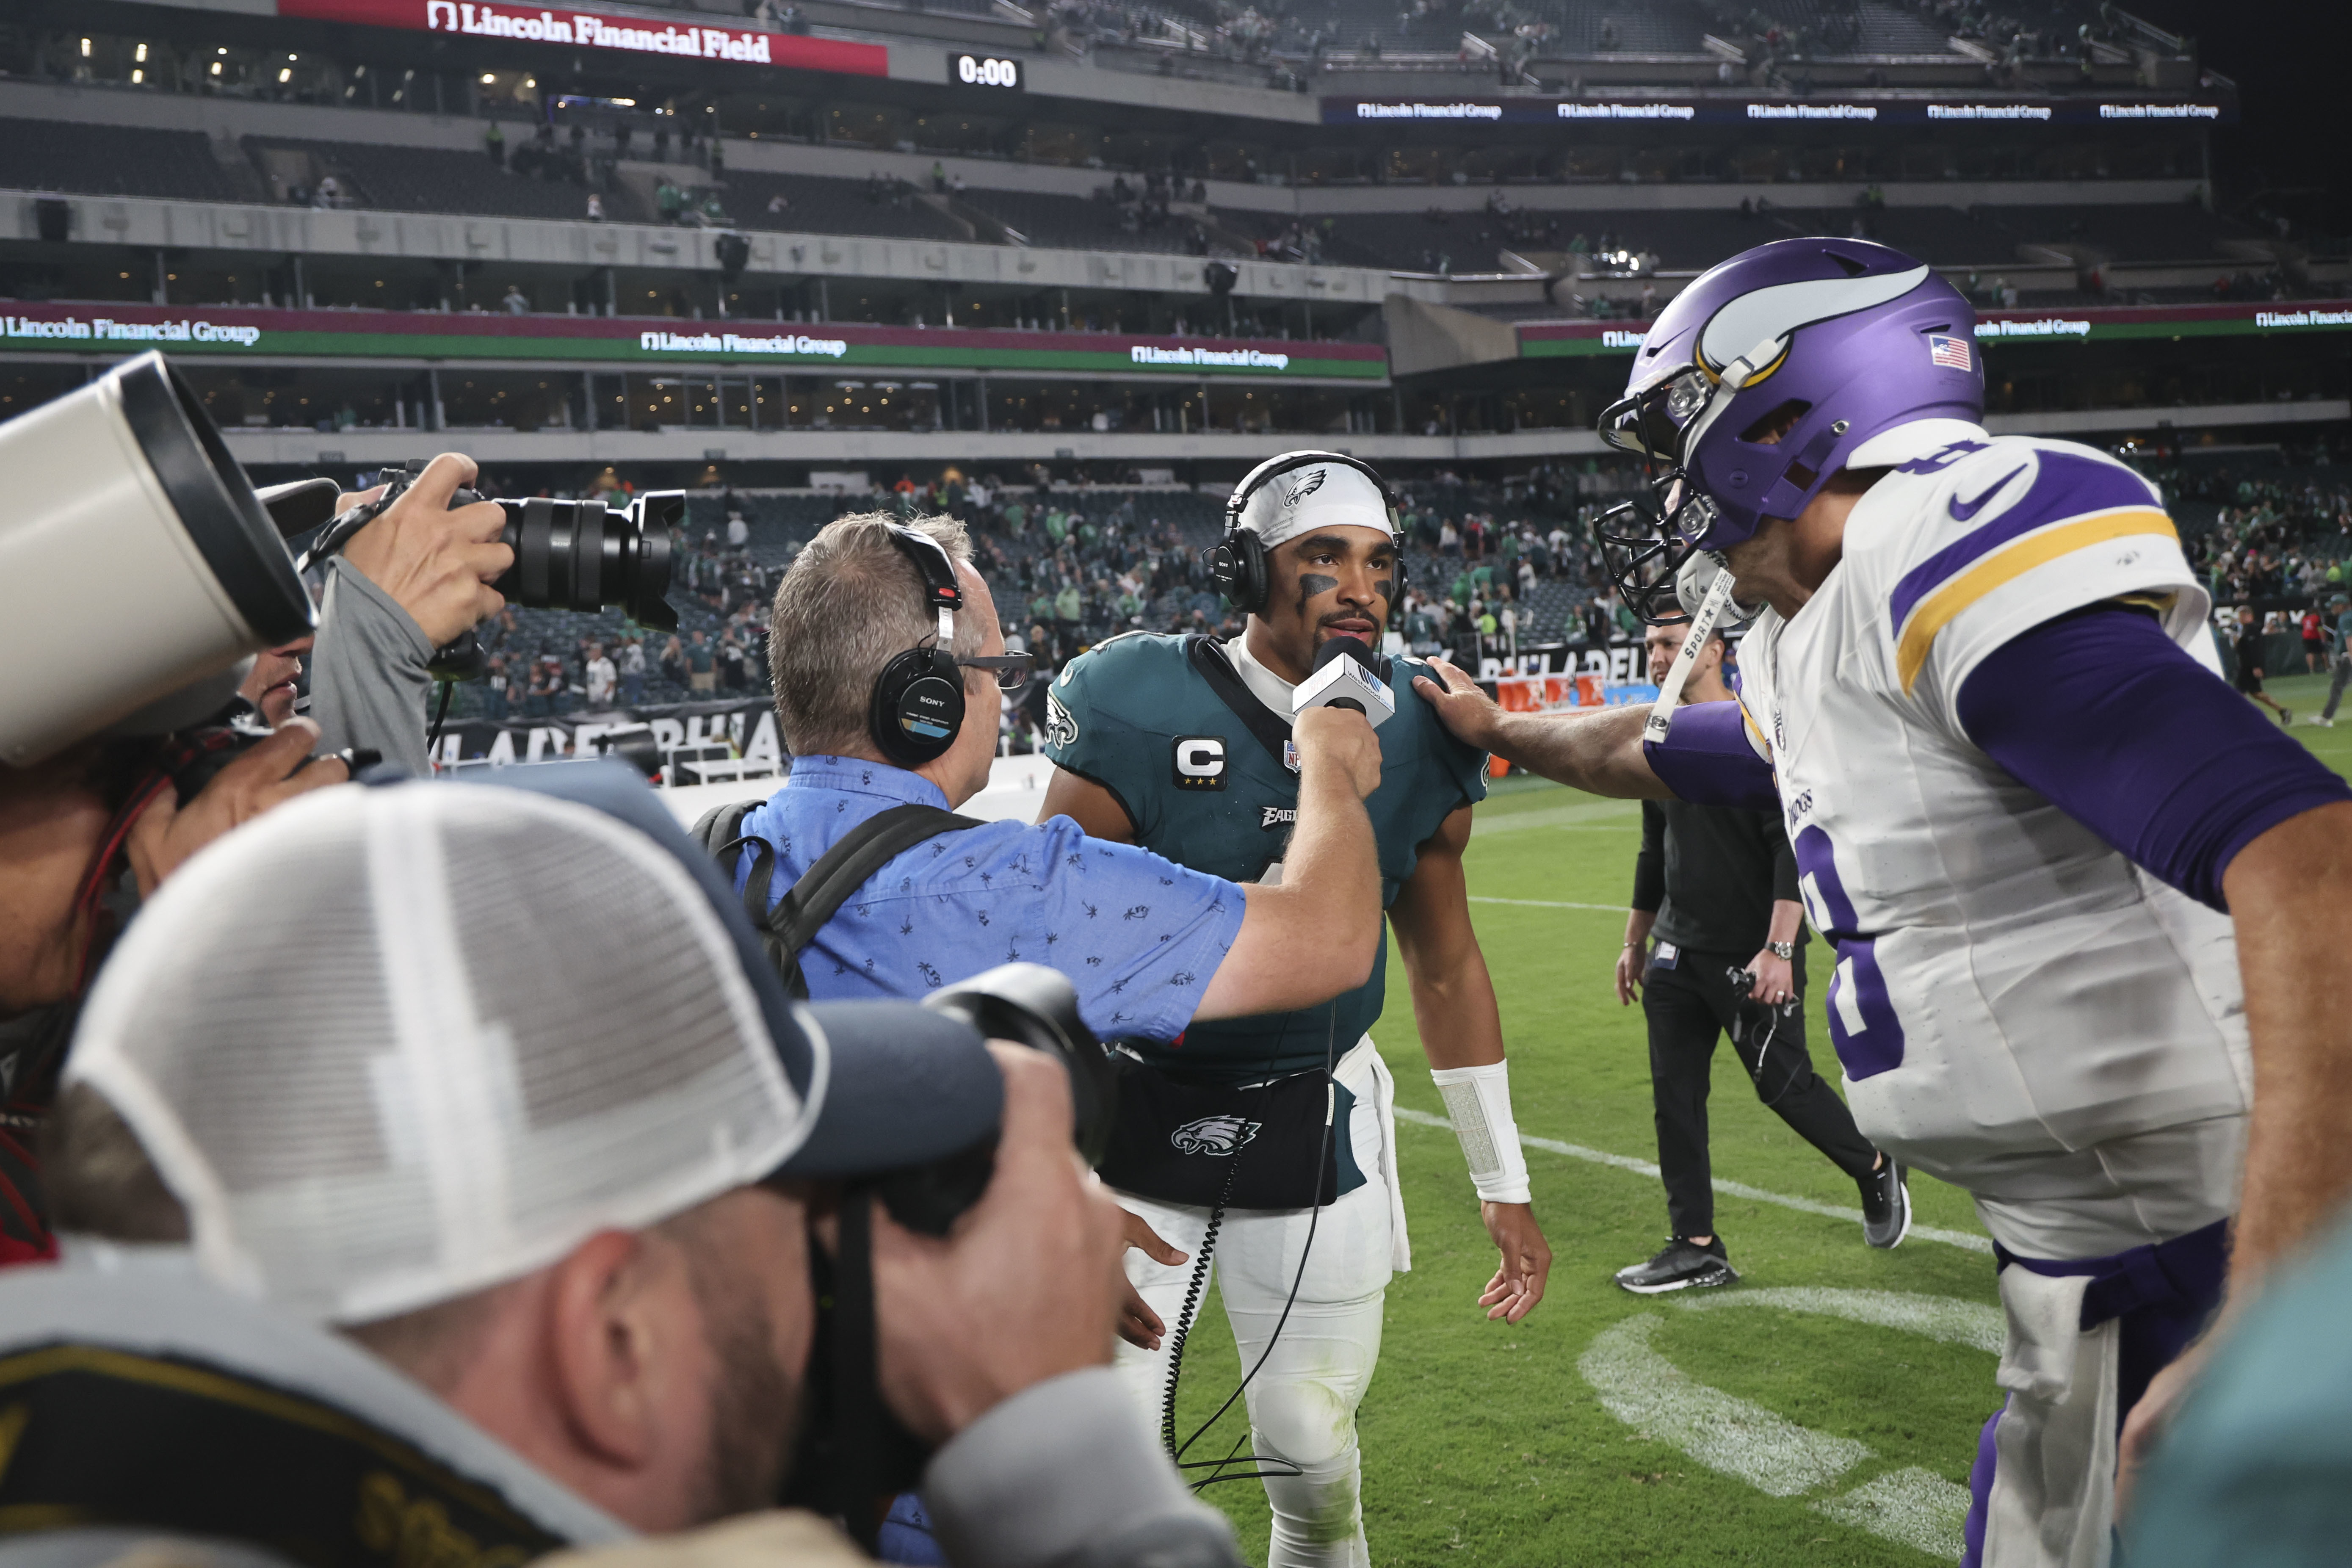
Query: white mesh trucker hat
x=392, y=1044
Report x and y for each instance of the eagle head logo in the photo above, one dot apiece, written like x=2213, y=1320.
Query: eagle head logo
x=1297, y=488
x=1216, y=1136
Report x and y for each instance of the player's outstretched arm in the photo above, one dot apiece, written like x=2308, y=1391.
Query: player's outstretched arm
x=1316, y=934
x=1461, y=1033
x=2290, y=894
x=1599, y=752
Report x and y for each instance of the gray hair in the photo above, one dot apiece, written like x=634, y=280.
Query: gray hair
x=851, y=603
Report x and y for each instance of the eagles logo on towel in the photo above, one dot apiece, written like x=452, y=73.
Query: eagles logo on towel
x=1216, y=1136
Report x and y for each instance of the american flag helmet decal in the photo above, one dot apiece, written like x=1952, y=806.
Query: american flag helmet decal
x=1952, y=353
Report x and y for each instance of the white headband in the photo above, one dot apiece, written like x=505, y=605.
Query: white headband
x=1319, y=495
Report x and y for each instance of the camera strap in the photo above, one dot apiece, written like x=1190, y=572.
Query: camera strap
x=840, y=871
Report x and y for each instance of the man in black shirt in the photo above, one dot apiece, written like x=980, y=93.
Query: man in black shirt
x=1713, y=886
x=2247, y=654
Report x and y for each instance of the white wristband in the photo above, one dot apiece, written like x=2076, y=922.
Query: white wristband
x=1478, y=1103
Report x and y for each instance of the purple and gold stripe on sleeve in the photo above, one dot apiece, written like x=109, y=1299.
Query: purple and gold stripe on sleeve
x=2071, y=504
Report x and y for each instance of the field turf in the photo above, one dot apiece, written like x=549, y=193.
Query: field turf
x=1485, y=1443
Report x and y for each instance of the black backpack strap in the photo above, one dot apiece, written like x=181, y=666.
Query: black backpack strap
x=839, y=872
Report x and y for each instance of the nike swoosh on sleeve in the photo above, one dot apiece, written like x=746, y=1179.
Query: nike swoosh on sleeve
x=1964, y=509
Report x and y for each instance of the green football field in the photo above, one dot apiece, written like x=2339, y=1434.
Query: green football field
x=1823, y=1410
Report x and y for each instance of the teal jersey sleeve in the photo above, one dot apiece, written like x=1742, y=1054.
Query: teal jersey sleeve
x=1099, y=724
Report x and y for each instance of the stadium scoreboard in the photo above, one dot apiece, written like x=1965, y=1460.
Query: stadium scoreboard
x=984, y=71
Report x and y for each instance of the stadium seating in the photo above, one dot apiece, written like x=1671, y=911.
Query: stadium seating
x=118, y=161
x=422, y=179
x=1077, y=223
x=818, y=205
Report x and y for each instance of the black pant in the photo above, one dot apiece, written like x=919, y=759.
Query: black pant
x=1689, y=1004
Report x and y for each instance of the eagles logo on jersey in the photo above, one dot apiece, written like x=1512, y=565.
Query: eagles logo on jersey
x=1060, y=728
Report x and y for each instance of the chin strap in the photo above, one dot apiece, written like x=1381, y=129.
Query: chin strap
x=1703, y=623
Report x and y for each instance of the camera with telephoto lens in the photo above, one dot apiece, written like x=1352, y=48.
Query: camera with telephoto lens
x=1038, y=1007
x=854, y=1454
x=569, y=555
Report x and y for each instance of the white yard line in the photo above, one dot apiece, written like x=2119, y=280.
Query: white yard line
x=1548, y=904
x=1966, y=1240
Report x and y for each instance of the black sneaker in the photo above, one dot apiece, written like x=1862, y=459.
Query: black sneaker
x=1684, y=1265
x=1886, y=1205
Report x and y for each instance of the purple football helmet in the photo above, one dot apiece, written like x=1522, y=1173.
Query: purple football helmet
x=1763, y=377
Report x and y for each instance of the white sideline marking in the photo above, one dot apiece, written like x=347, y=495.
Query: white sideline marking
x=1721, y=1431
x=1965, y=1240
x=1915, y=1508
x=1548, y=904
x=1954, y=1321
x=1910, y=1506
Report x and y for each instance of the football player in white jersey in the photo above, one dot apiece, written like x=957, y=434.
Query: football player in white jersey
x=1980, y=690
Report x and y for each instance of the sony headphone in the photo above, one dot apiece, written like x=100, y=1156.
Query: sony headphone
x=1238, y=561
x=918, y=704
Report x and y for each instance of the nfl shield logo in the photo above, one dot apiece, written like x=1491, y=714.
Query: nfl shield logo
x=1290, y=755
x=1952, y=353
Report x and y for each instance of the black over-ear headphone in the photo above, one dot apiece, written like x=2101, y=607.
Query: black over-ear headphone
x=918, y=704
x=1237, y=561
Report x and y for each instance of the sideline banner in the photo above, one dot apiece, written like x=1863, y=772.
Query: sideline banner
x=256, y=331
x=746, y=727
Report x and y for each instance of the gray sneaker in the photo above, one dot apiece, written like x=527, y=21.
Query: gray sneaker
x=1886, y=1205
x=1681, y=1265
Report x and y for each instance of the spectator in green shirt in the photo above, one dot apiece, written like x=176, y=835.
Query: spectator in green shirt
x=1069, y=606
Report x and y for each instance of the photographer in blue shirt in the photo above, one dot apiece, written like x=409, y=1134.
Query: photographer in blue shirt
x=883, y=638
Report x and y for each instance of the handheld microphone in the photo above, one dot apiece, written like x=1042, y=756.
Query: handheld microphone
x=1345, y=675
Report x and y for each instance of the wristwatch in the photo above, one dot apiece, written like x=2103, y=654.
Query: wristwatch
x=1785, y=951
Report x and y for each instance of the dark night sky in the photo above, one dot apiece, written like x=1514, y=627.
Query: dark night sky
x=2292, y=65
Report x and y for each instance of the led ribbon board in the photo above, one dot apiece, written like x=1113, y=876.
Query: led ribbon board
x=255, y=332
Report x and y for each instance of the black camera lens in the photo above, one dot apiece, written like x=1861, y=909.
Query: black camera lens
x=582, y=555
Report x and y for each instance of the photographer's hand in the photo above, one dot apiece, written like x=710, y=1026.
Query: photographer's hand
x=272, y=772
x=1139, y=1325
x=1025, y=1287
x=436, y=563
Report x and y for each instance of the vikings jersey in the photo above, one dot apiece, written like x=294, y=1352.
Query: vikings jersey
x=2007, y=986
x=1207, y=773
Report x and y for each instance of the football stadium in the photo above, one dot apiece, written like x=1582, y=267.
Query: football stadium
x=1174, y=782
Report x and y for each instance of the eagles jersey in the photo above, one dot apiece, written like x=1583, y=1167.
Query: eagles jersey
x=1205, y=771
x=2007, y=986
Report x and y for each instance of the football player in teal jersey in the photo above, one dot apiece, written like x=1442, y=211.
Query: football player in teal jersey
x=1281, y=1127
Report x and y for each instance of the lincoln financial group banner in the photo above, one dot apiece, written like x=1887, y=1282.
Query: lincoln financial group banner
x=1557, y=340
x=259, y=332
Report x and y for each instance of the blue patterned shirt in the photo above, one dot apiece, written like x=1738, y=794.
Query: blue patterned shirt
x=1137, y=934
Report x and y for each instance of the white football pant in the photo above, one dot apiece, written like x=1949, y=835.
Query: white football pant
x=1302, y=1404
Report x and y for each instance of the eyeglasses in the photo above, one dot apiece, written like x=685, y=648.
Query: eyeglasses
x=1011, y=669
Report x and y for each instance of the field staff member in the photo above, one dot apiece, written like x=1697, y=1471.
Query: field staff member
x=1179, y=745
x=1714, y=885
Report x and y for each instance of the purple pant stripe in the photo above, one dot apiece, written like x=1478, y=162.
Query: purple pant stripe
x=1972, y=1531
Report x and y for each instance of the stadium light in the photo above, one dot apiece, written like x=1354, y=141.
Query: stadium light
x=488, y=78
x=285, y=74
x=137, y=76
x=140, y=54
x=85, y=49
x=216, y=67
